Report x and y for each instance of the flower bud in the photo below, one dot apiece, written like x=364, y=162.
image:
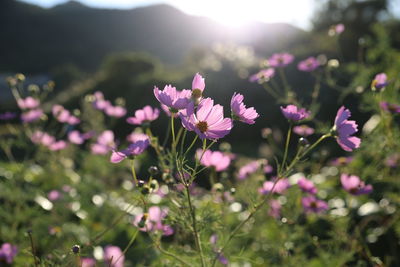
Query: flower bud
x=153, y=170
x=218, y=187
x=154, y=184
x=141, y=183
x=76, y=249
x=303, y=142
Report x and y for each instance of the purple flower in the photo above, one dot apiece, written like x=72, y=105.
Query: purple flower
x=207, y=121
x=32, y=115
x=280, y=60
x=28, y=103
x=7, y=116
x=54, y=195
x=8, y=252
x=75, y=137
x=310, y=64
x=278, y=187
x=172, y=98
x=307, y=186
x=104, y=144
x=263, y=75
x=240, y=112
x=389, y=107
x=153, y=221
x=303, y=130
x=354, y=185
x=344, y=128
x=198, y=85
x=313, y=205
x=293, y=113
x=215, y=159
x=145, y=115
x=140, y=143
x=379, y=82
x=88, y=262
x=248, y=169
x=341, y=161
x=113, y=256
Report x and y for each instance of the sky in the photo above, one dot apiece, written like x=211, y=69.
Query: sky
x=229, y=12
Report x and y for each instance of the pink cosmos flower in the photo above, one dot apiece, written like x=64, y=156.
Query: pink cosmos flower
x=379, y=82
x=310, y=64
x=28, y=103
x=389, y=107
x=58, y=145
x=344, y=129
x=240, y=112
x=113, y=256
x=54, y=195
x=248, y=169
x=307, y=186
x=172, y=98
x=39, y=137
x=216, y=159
x=154, y=221
x=7, y=116
x=141, y=142
x=75, y=137
x=280, y=60
x=293, y=113
x=8, y=252
x=133, y=137
x=207, y=121
x=64, y=116
x=32, y=115
x=263, y=75
x=303, y=130
x=274, y=208
x=198, y=85
x=105, y=143
x=354, y=185
x=145, y=115
x=115, y=111
x=279, y=187
x=313, y=205
x=336, y=29
x=88, y=262
x=99, y=102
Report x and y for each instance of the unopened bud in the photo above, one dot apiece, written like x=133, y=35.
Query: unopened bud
x=303, y=142
x=76, y=249
x=153, y=170
x=218, y=187
x=154, y=185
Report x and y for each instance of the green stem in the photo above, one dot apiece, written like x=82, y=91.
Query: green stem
x=134, y=172
x=33, y=249
x=168, y=132
x=286, y=145
x=183, y=141
x=284, y=81
x=271, y=91
x=191, y=145
x=128, y=246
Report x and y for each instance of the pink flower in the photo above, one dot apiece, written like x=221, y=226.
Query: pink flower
x=388, y=107
x=303, y=130
x=54, y=195
x=207, y=121
x=133, y=137
x=141, y=142
x=379, y=82
x=313, y=205
x=280, y=60
x=153, y=222
x=307, y=186
x=28, y=103
x=310, y=64
x=240, y=112
x=344, y=128
x=78, y=138
x=32, y=115
x=215, y=159
x=278, y=187
x=64, y=116
x=113, y=256
x=58, y=145
x=341, y=161
x=39, y=137
x=393, y=160
x=248, y=169
x=293, y=113
x=104, y=144
x=198, y=86
x=336, y=29
x=145, y=115
x=354, y=185
x=8, y=252
x=263, y=75
x=99, y=102
x=274, y=208
x=88, y=262
x=115, y=111
x=172, y=98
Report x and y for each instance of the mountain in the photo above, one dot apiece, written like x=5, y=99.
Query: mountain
x=38, y=40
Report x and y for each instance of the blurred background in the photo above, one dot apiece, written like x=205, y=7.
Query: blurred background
x=125, y=47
